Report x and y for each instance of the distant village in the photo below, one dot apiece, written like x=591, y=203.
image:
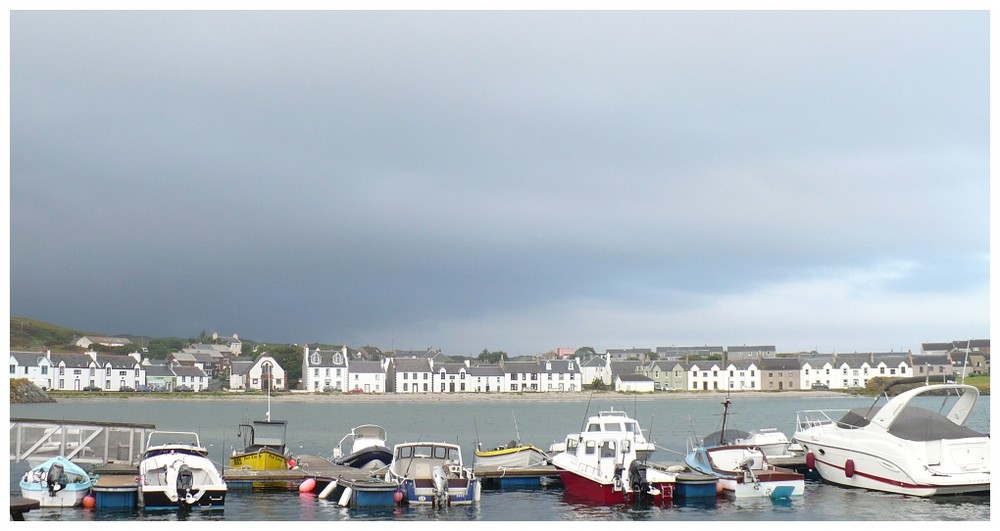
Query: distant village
x=221, y=364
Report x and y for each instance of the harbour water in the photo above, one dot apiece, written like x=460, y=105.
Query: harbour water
x=314, y=427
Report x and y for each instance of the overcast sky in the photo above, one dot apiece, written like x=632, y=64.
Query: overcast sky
x=514, y=181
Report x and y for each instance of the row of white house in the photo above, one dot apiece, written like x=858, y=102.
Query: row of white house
x=333, y=371
x=107, y=372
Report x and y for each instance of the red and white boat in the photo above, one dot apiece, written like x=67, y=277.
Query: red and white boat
x=605, y=463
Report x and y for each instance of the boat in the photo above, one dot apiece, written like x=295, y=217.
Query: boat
x=175, y=472
x=772, y=441
x=368, y=448
x=514, y=454
x=743, y=470
x=57, y=482
x=432, y=473
x=264, y=447
x=606, y=463
x=915, y=443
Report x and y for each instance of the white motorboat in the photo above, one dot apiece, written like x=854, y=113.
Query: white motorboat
x=606, y=463
x=745, y=472
x=740, y=462
x=57, y=482
x=175, y=472
x=431, y=473
x=368, y=448
x=915, y=443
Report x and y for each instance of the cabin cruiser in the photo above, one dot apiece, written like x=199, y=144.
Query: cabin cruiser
x=431, y=473
x=175, y=472
x=915, y=443
x=606, y=463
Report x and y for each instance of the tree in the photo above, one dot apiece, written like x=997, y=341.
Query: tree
x=491, y=357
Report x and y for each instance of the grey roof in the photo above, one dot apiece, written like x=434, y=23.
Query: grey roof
x=27, y=358
x=116, y=362
x=779, y=364
x=519, y=367
x=241, y=367
x=366, y=367
x=751, y=348
x=742, y=364
x=412, y=365
x=931, y=359
x=559, y=366
x=596, y=361
x=625, y=367
x=449, y=368
x=72, y=360
x=153, y=371
x=181, y=370
x=326, y=358
x=485, y=370
x=633, y=378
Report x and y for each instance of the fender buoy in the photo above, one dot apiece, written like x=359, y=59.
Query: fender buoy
x=89, y=502
x=849, y=468
x=397, y=496
x=307, y=485
x=291, y=462
x=811, y=461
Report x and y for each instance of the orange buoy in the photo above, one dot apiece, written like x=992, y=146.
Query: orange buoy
x=89, y=502
x=308, y=485
x=397, y=496
x=291, y=462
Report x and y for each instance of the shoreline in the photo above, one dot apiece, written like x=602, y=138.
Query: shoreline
x=458, y=397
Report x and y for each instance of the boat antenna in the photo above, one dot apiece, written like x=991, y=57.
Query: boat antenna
x=476, y=425
x=268, y=383
x=583, y=425
x=516, y=430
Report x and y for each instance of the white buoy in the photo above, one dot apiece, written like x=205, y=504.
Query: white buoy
x=328, y=490
x=345, y=498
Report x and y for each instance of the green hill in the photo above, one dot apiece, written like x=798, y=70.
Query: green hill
x=30, y=334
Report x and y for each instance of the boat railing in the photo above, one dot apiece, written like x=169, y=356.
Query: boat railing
x=818, y=417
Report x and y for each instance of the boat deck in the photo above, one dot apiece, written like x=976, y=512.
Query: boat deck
x=518, y=476
x=309, y=467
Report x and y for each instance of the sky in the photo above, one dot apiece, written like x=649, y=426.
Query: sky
x=512, y=180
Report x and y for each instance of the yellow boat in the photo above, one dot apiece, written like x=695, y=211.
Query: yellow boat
x=511, y=456
x=264, y=449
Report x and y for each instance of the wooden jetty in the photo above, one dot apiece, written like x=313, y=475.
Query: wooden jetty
x=20, y=505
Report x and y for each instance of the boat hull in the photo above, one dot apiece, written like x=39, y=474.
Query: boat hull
x=263, y=459
x=63, y=498
x=608, y=493
x=160, y=475
x=158, y=499
x=422, y=492
x=850, y=467
x=519, y=457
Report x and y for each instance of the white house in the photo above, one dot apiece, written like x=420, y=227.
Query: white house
x=266, y=373
x=368, y=376
x=560, y=375
x=742, y=375
x=486, y=379
x=633, y=383
x=411, y=375
x=324, y=370
x=707, y=375
x=117, y=372
x=190, y=377
x=521, y=376
x=596, y=368
x=33, y=366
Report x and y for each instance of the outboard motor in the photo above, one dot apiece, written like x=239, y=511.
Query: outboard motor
x=440, y=478
x=185, y=481
x=637, y=478
x=56, y=478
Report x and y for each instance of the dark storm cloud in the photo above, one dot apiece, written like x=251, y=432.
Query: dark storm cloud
x=471, y=179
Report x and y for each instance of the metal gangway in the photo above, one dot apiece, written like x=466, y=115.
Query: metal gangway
x=81, y=441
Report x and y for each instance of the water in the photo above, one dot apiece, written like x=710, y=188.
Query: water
x=314, y=427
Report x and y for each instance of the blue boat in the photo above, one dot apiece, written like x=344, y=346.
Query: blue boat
x=57, y=482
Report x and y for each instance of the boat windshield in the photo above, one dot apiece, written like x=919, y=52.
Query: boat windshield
x=429, y=451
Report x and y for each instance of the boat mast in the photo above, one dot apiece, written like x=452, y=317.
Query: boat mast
x=725, y=412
